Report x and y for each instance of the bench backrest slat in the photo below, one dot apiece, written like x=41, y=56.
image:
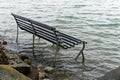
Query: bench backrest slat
x=45, y=37
x=37, y=28
x=34, y=22
x=71, y=38
x=37, y=31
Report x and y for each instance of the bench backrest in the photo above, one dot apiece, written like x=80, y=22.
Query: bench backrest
x=46, y=32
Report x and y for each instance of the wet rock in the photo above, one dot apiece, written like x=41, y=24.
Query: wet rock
x=16, y=62
x=112, y=75
x=23, y=56
x=66, y=79
x=42, y=75
x=49, y=69
x=39, y=67
x=4, y=42
x=3, y=57
x=9, y=73
x=22, y=68
x=28, y=61
x=46, y=79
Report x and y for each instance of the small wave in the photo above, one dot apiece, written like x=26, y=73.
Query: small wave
x=62, y=21
x=79, y=6
x=105, y=25
x=70, y=17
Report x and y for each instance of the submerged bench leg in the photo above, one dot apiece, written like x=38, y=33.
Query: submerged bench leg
x=17, y=29
x=55, y=59
x=33, y=44
x=17, y=34
x=81, y=52
x=33, y=38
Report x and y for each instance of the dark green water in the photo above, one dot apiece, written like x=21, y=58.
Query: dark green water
x=95, y=21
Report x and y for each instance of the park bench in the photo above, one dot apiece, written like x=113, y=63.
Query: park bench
x=48, y=33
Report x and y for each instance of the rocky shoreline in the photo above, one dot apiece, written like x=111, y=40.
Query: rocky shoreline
x=112, y=75
x=23, y=64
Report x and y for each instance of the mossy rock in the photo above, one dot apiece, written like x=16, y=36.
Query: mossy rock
x=9, y=73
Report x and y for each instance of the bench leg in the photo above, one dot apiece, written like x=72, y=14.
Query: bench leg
x=81, y=52
x=17, y=34
x=55, y=59
x=33, y=44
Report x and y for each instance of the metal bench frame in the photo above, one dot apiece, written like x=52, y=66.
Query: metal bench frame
x=48, y=33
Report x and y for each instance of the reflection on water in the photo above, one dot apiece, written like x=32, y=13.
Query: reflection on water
x=95, y=21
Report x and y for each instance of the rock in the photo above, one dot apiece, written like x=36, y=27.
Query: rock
x=66, y=79
x=28, y=61
x=39, y=67
x=16, y=62
x=49, y=69
x=112, y=75
x=1, y=46
x=42, y=75
x=33, y=73
x=62, y=72
x=23, y=56
x=3, y=57
x=9, y=73
x=46, y=79
x=4, y=42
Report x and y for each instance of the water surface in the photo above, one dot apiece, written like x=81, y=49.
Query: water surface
x=95, y=21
